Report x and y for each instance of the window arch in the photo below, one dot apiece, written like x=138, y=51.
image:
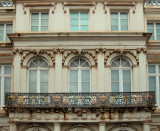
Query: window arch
x=79, y=75
x=38, y=76
x=120, y=75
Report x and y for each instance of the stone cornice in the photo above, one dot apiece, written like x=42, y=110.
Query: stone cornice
x=36, y=36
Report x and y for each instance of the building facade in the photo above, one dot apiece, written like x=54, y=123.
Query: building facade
x=87, y=65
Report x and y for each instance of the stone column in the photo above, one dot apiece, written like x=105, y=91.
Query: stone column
x=58, y=71
x=143, y=71
x=100, y=57
x=146, y=126
x=13, y=127
x=17, y=72
x=102, y=127
x=57, y=127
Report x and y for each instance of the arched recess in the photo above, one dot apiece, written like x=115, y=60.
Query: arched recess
x=123, y=126
x=87, y=56
x=38, y=127
x=79, y=127
x=30, y=57
x=128, y=56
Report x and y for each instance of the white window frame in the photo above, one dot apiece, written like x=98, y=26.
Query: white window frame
x=119, y=20
x=5, y=30
x=157, y=75
x=38, y=76
x=79, y=75
x=39, y=24
x=79, y=18
x=120, y=70
x=154, y=28
x=2, y=75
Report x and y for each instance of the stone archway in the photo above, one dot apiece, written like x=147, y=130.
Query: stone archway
x=80, y=127
x=36, y=127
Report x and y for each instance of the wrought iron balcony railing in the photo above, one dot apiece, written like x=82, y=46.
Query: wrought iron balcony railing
x=80, y=100
x=153, y=2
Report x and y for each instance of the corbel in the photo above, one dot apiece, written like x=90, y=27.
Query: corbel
x=53, y=7
x=134, y=7
x=94, y=7
x=64, y=7
x=100, y=50
x=58, y=51
x=19, y=51
x=139, y=50
x=105, y=7
x=24, y=7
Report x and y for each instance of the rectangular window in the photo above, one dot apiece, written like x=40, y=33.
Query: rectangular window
x=154, y=28
x=5, y=82
x=39, y=21
x=119, y=21
x=4, y=30
x=79, y=21
x=154, y=80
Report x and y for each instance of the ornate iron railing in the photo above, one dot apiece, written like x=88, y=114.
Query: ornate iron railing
x=152, y=2
x=80, y=100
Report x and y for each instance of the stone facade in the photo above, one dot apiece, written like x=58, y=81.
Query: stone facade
x=99, y=46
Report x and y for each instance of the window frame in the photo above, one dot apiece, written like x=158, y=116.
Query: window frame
x=154, y=28
x=79, y=18
x=120, y=70
x=38, y=88
x=119, y=19
x=5, y=30
x=2, y=89
x=79, y=76
x=157, y=75
x=39, y=18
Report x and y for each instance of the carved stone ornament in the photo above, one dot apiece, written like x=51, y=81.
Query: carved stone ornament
x=79, y=52
x=32, y=126
x=100, y=50
x=79, y=126
x=37, y=52
x=17, y=51
x=58, y=51
x=120, y=52
x=93, y=4
x=123, y=125
x=139, y=50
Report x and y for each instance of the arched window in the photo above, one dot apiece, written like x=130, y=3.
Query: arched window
x=120, y=75
x=38, y=76
x=79, y=75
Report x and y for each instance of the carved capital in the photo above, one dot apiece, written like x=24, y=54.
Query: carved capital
x=19, y=51
x=58, y=51
x=141, y=50
x=100, y=50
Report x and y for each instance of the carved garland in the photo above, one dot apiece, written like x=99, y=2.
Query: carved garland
x=121, y=52
x=123, y=125
x=79, y=52
x=80, y=126
x=36, y=52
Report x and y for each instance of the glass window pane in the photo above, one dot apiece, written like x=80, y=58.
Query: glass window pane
x=0, y=92
x=84, y=28
x=124, y=28
x=150, y=29
x=44, y=16
x=84, y=22
x=74, y=28
x=44, y=22
x=74, y=15
x=1, y=26
x=35, y=22
x=44, y=87
x=124, y=16
x=124, y=22
x=44, y=75
x=9, y=27
x=74, y=87
x=126, y=81
x=35, y=16
x=0, y=69
x=74, y=22
x=114, y=28
x=152, y=83
x=85, y=76
x=114, y=22
x=73, y=64
x=114, y=15
x=84, y=15
x=115, y=80
x=151, y=69
x=85, y=87
x=32, y=76
x=32, y=87
x=7, y=69
x=34, y=28
x=7, y=84
x=73, y=76
x=44, y=28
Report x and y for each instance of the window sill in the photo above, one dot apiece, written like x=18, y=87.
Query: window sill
x=2, y=112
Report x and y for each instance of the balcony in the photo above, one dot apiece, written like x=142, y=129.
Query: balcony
x=80, y=100
x=153, y=2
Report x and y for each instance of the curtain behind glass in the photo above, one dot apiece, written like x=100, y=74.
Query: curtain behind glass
x=114, y=80
x=32, y=81
x=73, y=81
x=85, y=78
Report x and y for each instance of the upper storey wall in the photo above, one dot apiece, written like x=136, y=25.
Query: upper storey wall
x=99, y=14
